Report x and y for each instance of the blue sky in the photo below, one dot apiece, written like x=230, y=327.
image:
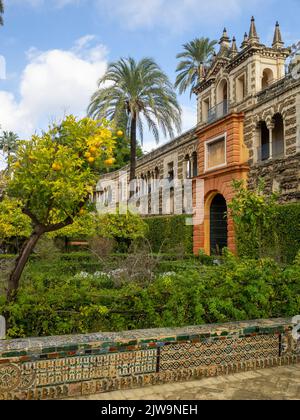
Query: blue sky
x=55, y=50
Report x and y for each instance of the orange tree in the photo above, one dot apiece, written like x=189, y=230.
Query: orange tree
x=53, y=177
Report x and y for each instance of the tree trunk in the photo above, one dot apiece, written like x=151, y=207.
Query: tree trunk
x=27, y=248
x=133, y=147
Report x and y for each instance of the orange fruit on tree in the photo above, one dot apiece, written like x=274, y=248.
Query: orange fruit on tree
x=120, y=133
x=110, y=161
x=93, y=149
x=56, y=167
x=87, y=155
x=91, y=160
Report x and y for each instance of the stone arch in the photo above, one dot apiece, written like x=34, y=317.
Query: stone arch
x=208, y=228
x=267, y=78
x=222, y=91
x=263, y=146
x=187, y=167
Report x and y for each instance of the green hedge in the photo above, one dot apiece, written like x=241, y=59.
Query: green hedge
x=57, y=304
x=281, y=241
x=288, y=229
x=170, y=234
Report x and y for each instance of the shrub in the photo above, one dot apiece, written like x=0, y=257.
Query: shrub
x=288, y=228
x=46, y=249
x=101, y=247
x=170, y=235
x=182, y=293
x=263, y=227
x=124, y=229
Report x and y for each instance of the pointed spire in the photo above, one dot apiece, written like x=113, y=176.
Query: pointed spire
x=234, y=48
x=253, y=36
x=277, y=41
x=246, y=41
x=225, y=40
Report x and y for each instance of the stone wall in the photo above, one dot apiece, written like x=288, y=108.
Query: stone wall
x=61, y=367
x=281, y=98
x=282, y=176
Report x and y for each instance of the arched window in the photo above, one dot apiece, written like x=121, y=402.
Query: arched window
x=267, y=78
x=221, y=109
x=188, y=169
x=222, y=91
x=264, y=149
x=195, y=164
x=278, y=136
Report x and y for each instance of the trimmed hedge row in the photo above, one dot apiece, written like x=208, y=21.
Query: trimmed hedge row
x=170, y=234
x=288, y=229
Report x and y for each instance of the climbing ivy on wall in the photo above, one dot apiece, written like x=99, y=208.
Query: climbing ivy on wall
x=263, y=227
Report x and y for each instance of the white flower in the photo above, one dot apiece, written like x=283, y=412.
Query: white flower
x=82, y=275
x=169, y=274
x=100, y=274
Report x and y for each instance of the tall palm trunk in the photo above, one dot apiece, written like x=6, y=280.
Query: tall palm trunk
x=27, y=248
x=133, y=146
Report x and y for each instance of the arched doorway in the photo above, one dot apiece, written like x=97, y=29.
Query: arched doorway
x=218, y=225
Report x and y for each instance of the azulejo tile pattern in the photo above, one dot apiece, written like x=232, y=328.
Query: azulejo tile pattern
x=60, y=367
x=219, y=352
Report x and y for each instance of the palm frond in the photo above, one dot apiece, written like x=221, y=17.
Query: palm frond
x=137, y=88
x=195, y=57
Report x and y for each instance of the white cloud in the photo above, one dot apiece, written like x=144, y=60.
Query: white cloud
x=174, y=15
x=53, y=83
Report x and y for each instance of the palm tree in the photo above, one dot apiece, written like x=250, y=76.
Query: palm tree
x=8, y=144
x=1, y=12
x=197, y=55
x=131, y=93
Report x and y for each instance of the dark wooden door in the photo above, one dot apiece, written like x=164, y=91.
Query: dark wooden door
x=218, y=225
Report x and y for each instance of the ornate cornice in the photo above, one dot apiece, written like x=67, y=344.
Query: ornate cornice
x=230, y=64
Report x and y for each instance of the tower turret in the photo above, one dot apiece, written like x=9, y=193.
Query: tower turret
x=253, y=36
x=245, y=43
x=234, y=48
x=277, y=40
x=225, y=40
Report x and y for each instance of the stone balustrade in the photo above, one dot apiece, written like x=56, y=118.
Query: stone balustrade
x=68, y=366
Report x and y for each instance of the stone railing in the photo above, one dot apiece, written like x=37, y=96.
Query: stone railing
x=62, y=367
